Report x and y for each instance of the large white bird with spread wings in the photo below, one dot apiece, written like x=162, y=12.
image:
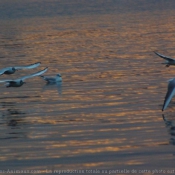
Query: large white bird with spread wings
x=20, y=81
x=11, y=70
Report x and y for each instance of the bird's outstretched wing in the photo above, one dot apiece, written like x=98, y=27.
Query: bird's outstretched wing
x=164, y=57
x=31, y=66
x=170, y=93
x=33, y=75
x=25, y=77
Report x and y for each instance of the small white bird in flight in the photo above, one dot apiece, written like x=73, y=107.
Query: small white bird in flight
x=170, y=93
x=169, y=61
x=20, y=81
x=11, y=70
x=50, y=80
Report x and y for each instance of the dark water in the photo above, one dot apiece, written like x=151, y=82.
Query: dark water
x=106, y=115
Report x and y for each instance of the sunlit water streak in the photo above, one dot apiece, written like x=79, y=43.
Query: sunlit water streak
x=107, y=112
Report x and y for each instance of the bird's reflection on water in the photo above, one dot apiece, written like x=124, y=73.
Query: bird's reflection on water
x=50, y=86
x=14, y=117
x=13, y=121
x=170, y=125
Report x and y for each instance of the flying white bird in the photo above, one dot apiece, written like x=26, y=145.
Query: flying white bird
x=55, y=79
x=170, y=93
x=11, y=70
x=20, y=81
x=169, y=61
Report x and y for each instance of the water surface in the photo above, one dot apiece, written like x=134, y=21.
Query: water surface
x=106, y=115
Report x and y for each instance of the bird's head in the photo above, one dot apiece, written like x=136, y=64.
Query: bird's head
x=58, y=75
x=13, y=69
x=22, y=82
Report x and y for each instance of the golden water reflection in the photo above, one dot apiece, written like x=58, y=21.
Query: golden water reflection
x=107, y=111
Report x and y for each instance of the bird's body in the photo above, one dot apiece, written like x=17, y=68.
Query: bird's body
x=20, y=81
x=55, y=79
x=11, y=70
x=170, y=93
x=169, y=61
x=15, y=83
